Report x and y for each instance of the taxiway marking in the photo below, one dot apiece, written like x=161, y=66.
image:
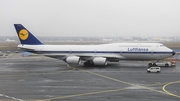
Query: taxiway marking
x=100, y=92
x=124, y=82
x=155, y=84
x=10, y=97
x=41, y=73
x=83, y=94
x=164, y=89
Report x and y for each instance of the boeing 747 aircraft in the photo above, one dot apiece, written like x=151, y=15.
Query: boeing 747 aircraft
x=92, y=54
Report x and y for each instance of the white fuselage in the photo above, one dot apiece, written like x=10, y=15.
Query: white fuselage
x=113, y=52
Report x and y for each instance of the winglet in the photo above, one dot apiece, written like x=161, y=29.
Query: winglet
x=25, y=36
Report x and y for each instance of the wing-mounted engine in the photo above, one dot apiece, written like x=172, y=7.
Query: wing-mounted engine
x=73, y=60
x=99, y=61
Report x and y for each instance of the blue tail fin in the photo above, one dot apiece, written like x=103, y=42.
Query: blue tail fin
x=25, y=36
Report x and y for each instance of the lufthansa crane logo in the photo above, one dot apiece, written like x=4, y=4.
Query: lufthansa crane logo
x=23, y=34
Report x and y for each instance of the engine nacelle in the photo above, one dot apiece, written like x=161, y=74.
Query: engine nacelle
x=99, y=61
x=73, y=60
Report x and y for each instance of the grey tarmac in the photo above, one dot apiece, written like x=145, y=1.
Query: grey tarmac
x=38, y=78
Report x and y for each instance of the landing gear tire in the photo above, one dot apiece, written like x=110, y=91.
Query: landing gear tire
x=154, y=64
x=166, y=65
x=150, y=64
x=85, y=63
x=88, y=64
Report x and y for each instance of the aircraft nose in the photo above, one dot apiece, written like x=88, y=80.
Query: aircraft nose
x=173, y=53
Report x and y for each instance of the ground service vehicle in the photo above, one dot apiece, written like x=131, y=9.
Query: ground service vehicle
x=154, y=69
x=162, y=64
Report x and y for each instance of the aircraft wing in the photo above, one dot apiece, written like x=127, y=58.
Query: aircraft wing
x=86, y=57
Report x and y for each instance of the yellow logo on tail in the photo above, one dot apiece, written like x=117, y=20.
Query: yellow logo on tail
x=23, y=34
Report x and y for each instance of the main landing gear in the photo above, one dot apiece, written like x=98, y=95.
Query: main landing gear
x=88, y=63
x=153, y=63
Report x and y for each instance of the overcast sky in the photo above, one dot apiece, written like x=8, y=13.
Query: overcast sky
x=91, y=17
